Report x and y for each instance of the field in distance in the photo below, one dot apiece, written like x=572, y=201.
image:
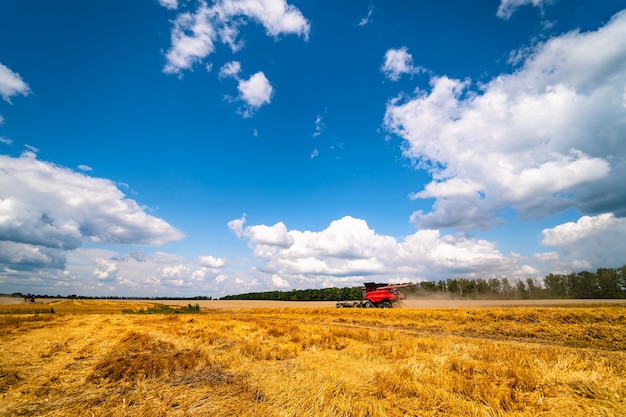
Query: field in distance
x=411, y=303
x=89, y=359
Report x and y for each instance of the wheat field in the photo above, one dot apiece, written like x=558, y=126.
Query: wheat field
x=89, y=359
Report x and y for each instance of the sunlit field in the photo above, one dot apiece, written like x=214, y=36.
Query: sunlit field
x=87, y=358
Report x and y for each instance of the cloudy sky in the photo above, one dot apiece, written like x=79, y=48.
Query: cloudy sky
x=185, y=147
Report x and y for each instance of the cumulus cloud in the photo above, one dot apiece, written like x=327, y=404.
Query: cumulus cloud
x=169, y=4
x=46, y=210
x=540, y=140
x=508, y=7
x=348, y=249
x=211, y=262
x=111, y=271
x=27, y=257
x=595, y=241
x=398, y=62
x=91, y=271
x=11, y=84
x=195, y=34
x=230, y=69
x=105, y=270
x=256, y=90
x=275, y=235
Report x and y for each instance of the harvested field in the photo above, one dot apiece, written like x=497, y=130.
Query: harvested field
x=414, y=303
x=89, y=359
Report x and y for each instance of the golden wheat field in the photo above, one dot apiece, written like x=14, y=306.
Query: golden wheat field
x=89, y=359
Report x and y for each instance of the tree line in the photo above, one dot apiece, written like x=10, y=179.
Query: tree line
x=608, y=283
x=324, y=294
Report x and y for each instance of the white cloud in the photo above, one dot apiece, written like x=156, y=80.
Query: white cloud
x=275, y=235
x=169, y=4
x=349, y=250
x=136, y=273
x=279, y=282
x=6, y=141
x=541, y=139
x=595, y=240
x=175, y=274
x=454, y=187
x=106, y=270
x=31, y=149
x=319, y=126
x=230, y=69
x=256, y=91
x=47, y=210
x=367, y=19
x=211, y=262
x=398, y=62
x=236, y=226
x=315, y=154
x=195, y=34
x=276, y=16
x=85, y=168
x=192, y=39
x=508, y=7
x=11, y=84
x=27, y=257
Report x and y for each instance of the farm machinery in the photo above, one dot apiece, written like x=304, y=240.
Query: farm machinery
x=377, y=295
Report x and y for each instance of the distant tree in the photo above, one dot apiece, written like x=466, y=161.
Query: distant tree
x=495, y=286
x=466, y=286
x=482, y=287
x=556, y=285
x=533, y=290
x=453, y=286
x=584, y=285
x=520, y=289
x=609, y=283
x=507, y=288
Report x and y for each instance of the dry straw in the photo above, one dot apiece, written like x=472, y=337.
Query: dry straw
x=88, y=359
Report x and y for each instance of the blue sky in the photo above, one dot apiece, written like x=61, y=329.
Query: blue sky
x=209, y=148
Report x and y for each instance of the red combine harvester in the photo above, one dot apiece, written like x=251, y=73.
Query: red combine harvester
x=377, y=295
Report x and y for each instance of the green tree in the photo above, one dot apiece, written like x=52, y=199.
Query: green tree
x=481, y=287
x=533, y=289
x=609, y=283
x=520, y=289
x=507, y=288
x=466, y=287
x=584, y=285
x=556, y=285
x=453, y=286
x=495, y=286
